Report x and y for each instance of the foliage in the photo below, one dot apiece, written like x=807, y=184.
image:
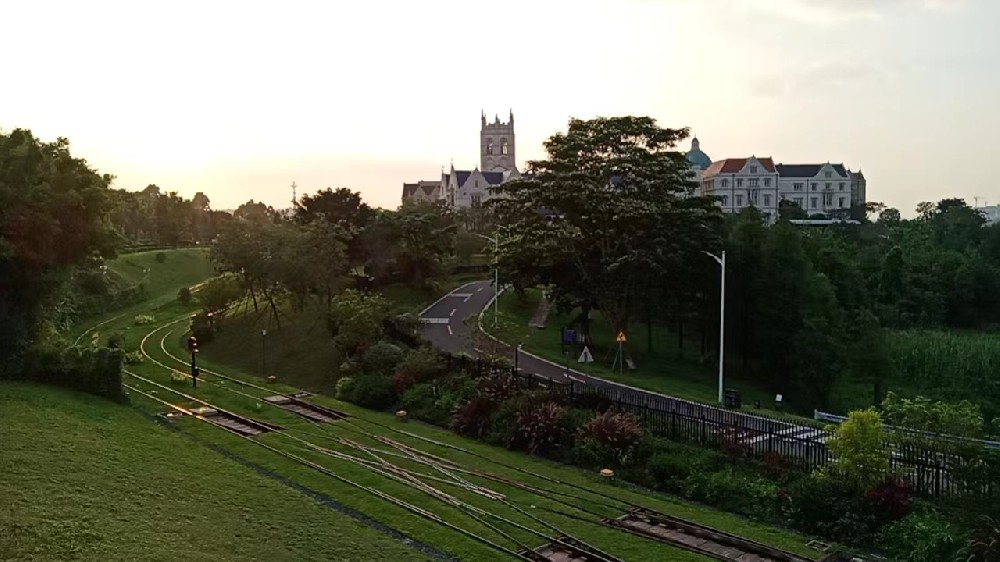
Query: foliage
x=538, y=428
x=371, y=391
x=184, y=295
x=94, y=371
x=962, y=419
x=422, y=364
x=133, y=357
x=52, y=217
x=436, y=402
x=345, y=388
x=619, y=431
x=472, y=419
x=355, y=319
x=218, y=293
x=984, y=546
x=161, y=257
x=143, y=319
x=627, y=213
x=923, y=537
x=890, y=500
x=735, y=491
x=828, y=507
x=382, y=358
x=498, y=387
x=858, y=447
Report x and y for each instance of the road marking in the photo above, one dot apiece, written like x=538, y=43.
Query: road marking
x=479, y=289
x=434, y=320
x=467, y=298
x=452, y=312
x=449, y=330
x=460, y=295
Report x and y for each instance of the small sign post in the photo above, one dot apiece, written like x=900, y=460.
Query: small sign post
x=586, y=356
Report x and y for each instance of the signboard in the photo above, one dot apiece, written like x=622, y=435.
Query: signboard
x=621, y=337
x=568, y=335
x=586, y=356
x=732, y=398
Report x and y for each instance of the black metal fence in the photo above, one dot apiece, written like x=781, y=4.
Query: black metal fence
x=929, y=470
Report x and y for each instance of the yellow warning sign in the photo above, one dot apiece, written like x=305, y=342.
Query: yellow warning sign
x=621, y=337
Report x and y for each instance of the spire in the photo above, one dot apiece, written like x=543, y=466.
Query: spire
x=695, y=145
x=496, y=119
x=483, y=117
x=511, y=116
x=294, y=197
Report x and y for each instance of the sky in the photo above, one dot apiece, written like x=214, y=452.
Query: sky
x=239, y=99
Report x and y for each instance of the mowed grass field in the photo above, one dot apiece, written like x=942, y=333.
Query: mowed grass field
x=87, y=479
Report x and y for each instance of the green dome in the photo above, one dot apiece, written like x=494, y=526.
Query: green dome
x=696, y=157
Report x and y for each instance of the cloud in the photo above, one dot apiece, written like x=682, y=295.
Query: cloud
x=840, y=11
x=821, y=79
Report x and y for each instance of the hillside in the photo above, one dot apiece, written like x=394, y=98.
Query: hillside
x=100, y=481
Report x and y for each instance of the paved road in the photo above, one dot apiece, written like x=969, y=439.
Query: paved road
x=449, y=324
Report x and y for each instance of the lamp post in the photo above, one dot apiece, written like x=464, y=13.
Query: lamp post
x=517, y=353
x=722, y=317
x=496, y=275
x=263, y=353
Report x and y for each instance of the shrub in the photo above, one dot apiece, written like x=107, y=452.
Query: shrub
x=503, y=424
x=356, y=319
x=591, y=453
x=161, y=257
x=831, y=508
x=538, y=427
x=116, y=340
x=184, y=295
x=498, y=387
x=423, y=364
x=890, y=501
x=133, y=358
x=984, y=546
x=618, y=431
x=858, y=447
x=178, y=378
x=736, y=491
x=372, y=391
x=143, y=319
x=473, y=418
x=95, y=371
x=382, y=358
x=345, y=387
x=926, y=537
x=403, y=381
x=432, y=403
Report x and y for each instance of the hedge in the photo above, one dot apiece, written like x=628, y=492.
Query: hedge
x=94, y=371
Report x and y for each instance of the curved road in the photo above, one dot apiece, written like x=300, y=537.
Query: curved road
x=449, y=325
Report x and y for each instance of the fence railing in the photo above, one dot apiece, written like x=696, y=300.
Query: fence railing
x=928, y=470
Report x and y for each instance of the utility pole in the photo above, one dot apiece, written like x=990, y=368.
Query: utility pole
x=496, y=279
x=263, y=354
x=722, y=318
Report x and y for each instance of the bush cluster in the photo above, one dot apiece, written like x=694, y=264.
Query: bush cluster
x=95, y=371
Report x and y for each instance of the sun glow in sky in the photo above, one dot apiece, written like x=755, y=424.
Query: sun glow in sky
x=239, y=99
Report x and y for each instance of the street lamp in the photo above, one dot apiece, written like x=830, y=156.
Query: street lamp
x=722, y=317
x=496, y=275
x=517, y=352
x=263, y=353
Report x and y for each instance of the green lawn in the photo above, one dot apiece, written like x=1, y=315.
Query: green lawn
x=300, y=350
x=490, y=458
x=160, y=280
x=667, y=369
x=87, y=479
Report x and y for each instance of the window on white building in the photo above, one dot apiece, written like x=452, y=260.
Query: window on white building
x=828, y=185
x=814, y=184
x=739, y=182
x=827, y=174
x=476, y=200
x=753, y=169
x=797, y=187
x=840, y=186
x=798, y=201
x=754, y=182
x=767, y=200
x=503, y=146
x=767, y=182
x=827, y=199
x=739, y=200
x=725, y=183
x=489, y=146
x=840, y=202
x=812, y=202
x=725, y=200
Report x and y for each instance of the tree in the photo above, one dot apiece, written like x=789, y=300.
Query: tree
x=356, y=320
x=200, y=202
x=961, y=419
x=790, y=210
x=255, y=212
x=889, y=217
x=859, y=451
x=626, y=211
x=52, y=216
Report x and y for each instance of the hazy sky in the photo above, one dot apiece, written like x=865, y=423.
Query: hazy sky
x=238, y=99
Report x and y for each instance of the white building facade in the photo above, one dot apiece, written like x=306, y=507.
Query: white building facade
x=743, y=182
x=816, y=188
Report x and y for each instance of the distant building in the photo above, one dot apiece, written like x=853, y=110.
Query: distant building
x=496, y=145
x=699, y=160
x=470, y=188
x=424, y=190
x=816, y=188
x=991, y=213
x=743, y=182
x=859, y=188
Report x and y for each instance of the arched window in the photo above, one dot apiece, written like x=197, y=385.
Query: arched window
x=503, y=146
x=489, y=146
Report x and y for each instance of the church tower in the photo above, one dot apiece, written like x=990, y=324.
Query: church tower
x=496, y=145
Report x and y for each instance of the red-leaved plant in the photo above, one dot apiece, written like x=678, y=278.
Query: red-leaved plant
x=617, y=430
x=473, y=418
x=538, y=427
x=498, y=387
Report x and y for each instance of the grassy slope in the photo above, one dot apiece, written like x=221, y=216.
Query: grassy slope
x=86, y=479
x=629, y=547
x=182, y=268
x=299, y=350
x=660, y=370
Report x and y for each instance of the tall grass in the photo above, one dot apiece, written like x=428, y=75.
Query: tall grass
x=948, y=365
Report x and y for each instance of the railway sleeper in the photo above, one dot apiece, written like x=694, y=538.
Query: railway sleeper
x=567, y=549
x=308, y=410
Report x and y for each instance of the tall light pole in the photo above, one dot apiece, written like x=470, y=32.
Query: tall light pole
x=263, y=353
x=722, y=317
x=496, y=275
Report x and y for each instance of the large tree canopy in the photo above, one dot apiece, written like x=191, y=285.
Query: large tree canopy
x=609, y=210
x=52, y=216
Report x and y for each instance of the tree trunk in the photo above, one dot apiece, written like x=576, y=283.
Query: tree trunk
x=649, y=333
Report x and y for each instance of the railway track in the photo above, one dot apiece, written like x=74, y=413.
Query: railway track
x=397, y=462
